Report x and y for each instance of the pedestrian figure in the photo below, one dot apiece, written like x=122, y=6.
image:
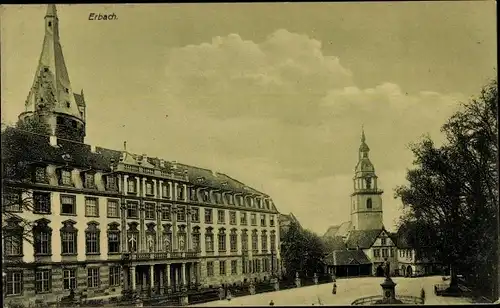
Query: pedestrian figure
x=422, y=294
x=271, y=303
x=334, y=290
x=228, y=297
x=221, y=293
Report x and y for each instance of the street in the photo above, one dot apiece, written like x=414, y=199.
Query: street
x=347, y=291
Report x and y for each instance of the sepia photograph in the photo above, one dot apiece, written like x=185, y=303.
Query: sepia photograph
x=249, y=154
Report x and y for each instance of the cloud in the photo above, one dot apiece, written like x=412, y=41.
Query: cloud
x=286, y=118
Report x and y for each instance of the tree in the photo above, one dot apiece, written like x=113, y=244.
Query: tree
x=18, y=155
x=302, y=252
x=451, y=199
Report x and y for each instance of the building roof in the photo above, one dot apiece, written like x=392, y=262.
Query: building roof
x=331, y=232
x=362, y=239
x=344, y=228
x=101, y=159
x=334, y=243
x=347, y=257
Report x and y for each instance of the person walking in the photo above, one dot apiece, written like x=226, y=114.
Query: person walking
x=271, y=303
x=334, y=290
x=422, y=295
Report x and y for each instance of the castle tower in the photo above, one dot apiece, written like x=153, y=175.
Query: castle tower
x=366, y=200
x=51, y=97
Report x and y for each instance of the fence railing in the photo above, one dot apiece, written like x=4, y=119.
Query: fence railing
x=144, y=256
x=371, y=300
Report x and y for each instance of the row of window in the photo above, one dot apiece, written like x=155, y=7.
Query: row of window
x=406, y=253
x=42, y=205
x=65, y=178
x=254, y=266
x=13, y=242
x=43, y=279
x=386, y=252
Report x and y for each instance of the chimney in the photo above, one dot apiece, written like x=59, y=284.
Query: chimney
x=214, y=173
x=93, y=148
x=174, y=165
x=53, y=141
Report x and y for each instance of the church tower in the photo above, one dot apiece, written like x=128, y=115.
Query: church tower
x=366, y=200
x=51, y=97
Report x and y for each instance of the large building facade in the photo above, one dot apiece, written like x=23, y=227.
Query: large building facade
x=104, y=221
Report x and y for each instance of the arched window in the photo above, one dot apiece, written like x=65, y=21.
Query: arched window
x=209, y=240
x=264, y=241
x=233, y=240
x=69, y=235
x=13, y=237
x=43, y=237
x=113, y=237
x=92, y=238
x=244, y=240
x=222, y=239
x=369, y=203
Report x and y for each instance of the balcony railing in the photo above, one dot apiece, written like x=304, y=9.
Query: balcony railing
x=150, y=171
x=145, y=256
x=372, y=300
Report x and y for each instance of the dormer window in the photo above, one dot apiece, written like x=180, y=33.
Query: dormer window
x=40, y=175
x=192, y=194
x=180, y=192
x=89, y=180
x=206, y=196
x=66, y=178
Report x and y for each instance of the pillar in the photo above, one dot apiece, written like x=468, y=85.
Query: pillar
x=176, y=196
x=167, y=274
x=132, y=276
x=170, y=191
x=151, y=277
x=155, y=189
x=183, y=274
x=125, y=184
x=143, y=187
x=137, y=186
x=126, y=282
x=160, y=191
x=160, y=282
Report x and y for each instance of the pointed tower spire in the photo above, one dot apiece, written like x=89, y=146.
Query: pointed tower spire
x=363, y=138
x=51, y=95
x=51, y=89
x=51, y=10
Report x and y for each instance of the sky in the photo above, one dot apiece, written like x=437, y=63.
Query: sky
x=272, y=94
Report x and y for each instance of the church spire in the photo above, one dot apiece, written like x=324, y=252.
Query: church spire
x=363, y=148
x=51, y=90
x=51, y=95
